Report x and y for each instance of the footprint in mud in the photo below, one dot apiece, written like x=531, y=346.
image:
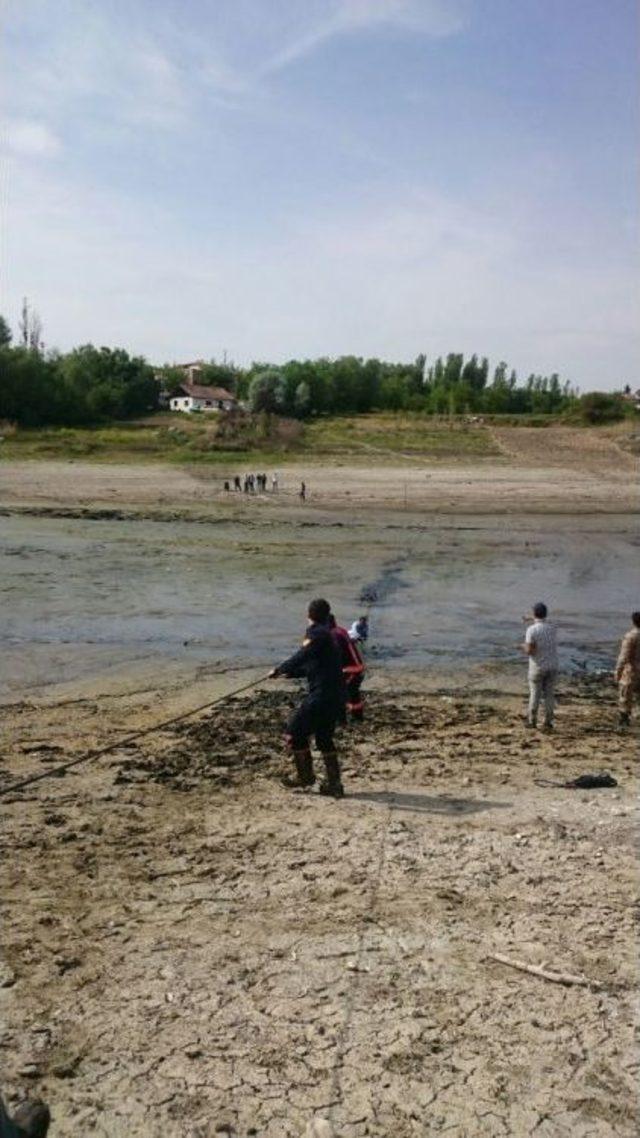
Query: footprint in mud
x=55, y=819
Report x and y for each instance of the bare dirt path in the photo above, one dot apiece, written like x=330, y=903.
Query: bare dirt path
x=193, y=951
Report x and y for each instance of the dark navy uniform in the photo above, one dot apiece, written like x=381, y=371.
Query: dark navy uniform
x=318, y=661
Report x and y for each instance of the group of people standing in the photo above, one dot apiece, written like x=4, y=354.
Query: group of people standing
x=253, y=483
x=540, y=646
x=257, y=484
x=331, y=661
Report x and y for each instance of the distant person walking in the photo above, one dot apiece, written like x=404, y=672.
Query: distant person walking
x=237, y=485
x=274, y=483
x=303, y=492
x=627, y=671
x=541, y=648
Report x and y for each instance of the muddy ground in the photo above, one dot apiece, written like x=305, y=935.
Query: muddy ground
x=83, y=596
x=191, y=950
x=565, y=470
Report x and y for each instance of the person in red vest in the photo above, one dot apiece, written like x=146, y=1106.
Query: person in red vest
x=352, y=669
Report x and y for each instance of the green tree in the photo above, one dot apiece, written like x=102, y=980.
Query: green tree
x=5, y=333
x=268, y=392
x=453, y=368
x=29, y=388
x=302, y=400
x=220, y=375
x=106, y=383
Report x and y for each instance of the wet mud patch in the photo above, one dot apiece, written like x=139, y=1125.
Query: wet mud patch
x=385, y=585
x=244, y=739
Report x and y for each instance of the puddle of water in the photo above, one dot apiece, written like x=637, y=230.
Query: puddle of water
x=82, y=596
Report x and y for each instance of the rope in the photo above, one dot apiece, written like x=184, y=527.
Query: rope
x=127, y=740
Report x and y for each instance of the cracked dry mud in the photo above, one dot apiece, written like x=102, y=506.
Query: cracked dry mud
x=194, y=951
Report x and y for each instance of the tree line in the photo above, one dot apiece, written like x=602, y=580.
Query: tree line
x=85, y=386
x=449, y=386
x=92, y=385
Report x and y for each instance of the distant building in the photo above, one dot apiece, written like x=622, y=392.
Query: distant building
x=192, y=371
x=195, y=397
x=632, y=397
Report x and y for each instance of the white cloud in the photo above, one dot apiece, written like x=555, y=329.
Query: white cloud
x=119, y=248
x=418, y=272
x=349, y=17
x=90, y=63
x=85, y=66
x=30, y=138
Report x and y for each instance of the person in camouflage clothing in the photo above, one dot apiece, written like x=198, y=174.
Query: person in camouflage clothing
x=627, y=671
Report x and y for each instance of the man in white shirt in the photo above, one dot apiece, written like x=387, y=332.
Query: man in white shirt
x=540, y=647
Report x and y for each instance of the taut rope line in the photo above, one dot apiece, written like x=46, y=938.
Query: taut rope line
x=119, y=743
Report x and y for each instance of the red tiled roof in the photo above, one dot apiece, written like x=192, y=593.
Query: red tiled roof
x=197, y=391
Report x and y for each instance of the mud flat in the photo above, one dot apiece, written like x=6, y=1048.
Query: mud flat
x=191, y=950
x=89, y=598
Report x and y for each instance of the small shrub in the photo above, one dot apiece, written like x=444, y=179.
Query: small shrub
x=599, y=407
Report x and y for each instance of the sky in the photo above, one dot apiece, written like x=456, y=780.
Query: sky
x=276, y=179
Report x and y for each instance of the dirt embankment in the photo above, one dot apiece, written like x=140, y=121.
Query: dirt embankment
x=194, y=951
x=555, y=470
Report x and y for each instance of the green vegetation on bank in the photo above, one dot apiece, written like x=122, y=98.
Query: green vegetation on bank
x=94, y=386
x=388, y=435
x=261, y=439
x=244, y=442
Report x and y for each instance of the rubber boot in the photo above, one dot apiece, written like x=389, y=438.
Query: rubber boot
x=331, y=786
x=304, y=775
x=32, y=1119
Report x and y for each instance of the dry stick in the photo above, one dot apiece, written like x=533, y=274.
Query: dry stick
x=544, y=974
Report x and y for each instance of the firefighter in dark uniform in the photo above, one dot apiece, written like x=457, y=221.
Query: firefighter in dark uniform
x=352, y=669
x=30, y=1120
x=317, y=661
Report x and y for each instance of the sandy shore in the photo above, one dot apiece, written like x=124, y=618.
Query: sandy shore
x=554, y=470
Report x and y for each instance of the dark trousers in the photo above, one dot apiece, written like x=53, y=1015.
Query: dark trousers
x=313, y=717
x=355, y=703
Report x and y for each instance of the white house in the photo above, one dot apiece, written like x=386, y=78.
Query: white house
x=195, y=397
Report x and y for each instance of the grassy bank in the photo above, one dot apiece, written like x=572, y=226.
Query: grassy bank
x=186, y=439
x=398, y=436
x=258, y=440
